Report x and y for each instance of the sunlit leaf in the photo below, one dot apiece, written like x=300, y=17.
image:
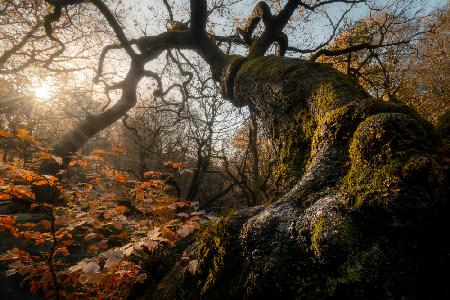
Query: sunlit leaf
x=64, y=251
x=58, y=159
x=45, y=156
x=121, y=209
x=4, y=133
x=121, y=178
x=151, y=174
x=182, y=203
x=83, y=163
x=178, y=165
x=24, y=135
x=104, y=152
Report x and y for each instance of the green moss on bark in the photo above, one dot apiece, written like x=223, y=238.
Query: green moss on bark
x=332, y=239
x=387, y=151
x=220, y=262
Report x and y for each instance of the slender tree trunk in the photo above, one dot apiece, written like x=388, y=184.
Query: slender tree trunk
x=256, y=181
x=199, y=173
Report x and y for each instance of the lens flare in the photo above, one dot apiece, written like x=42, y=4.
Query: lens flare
x=43, y=92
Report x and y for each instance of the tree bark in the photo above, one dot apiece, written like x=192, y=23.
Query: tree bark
x=73, y=140
x=363, y=199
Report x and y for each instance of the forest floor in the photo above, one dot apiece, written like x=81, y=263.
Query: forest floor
x=86, y=235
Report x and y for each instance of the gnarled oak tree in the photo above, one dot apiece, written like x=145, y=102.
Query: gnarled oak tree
x=365, y=196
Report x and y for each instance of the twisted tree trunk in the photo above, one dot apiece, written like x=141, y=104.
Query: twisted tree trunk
x=364, y=211
x=363, y=195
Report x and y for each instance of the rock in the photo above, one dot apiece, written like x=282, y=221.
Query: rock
x=31, y=217
x=46, y=193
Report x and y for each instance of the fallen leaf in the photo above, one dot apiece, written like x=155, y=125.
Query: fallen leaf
x=24, y=135
x=108, y=214
x=119, y=150
x=121, y=178
x=185, y=230
x=152, y=174
x=170, y=235
x=118, y=225
x=182, y=203
x=113, y=258
x=193, y=264
x=141, y=278
x=89, y=236
x=121, y=209
x=58, y=159
x=91, y=268
x=60, y=220
x=183, y=215
x=64, y=251
x=4, y=133
x=45, y=224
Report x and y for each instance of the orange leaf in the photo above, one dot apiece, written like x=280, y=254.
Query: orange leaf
x=120, y=236
x=45, y=156
x=4, y=196
x=41, y=182
x=24, y=135
x=73, y=163
x=104, y=152
x=121, y=209
x=28, y=225
x=92, y=249
x=155, y=183
x=152, y=174
x=121, y=178
x=183, y=203
x=178, y=165
x=4, y=133
x=45, y=224
x=168, y=234
x=63, y=251
x=118, y=149
x=83, y=163
x=96, y=180
x=7, y=221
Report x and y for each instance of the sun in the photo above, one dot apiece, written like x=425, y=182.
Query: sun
x=43, y=92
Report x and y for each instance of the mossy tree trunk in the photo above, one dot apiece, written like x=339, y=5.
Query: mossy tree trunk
x=365, y=202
